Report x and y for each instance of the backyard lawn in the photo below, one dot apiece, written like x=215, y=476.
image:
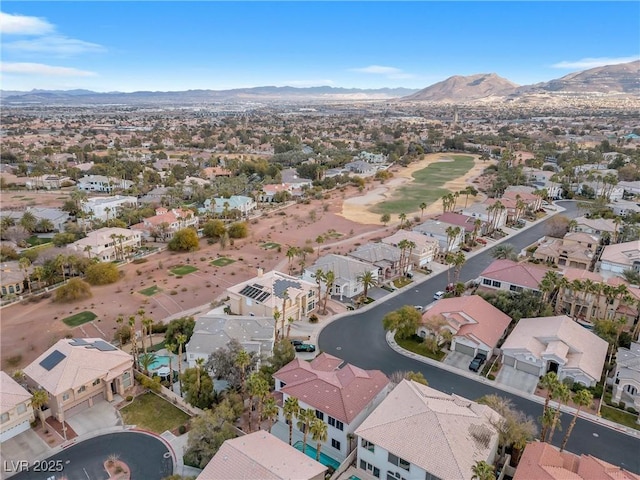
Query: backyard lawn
x=79, y=318
x=150, y=291
x=152, y=412
x=616, y=415
x=34, y=240
x=222, y=261
x=270, y=245
x=426, y=187
x=183, y=270
x=416, y=344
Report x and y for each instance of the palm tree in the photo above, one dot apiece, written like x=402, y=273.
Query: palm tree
x=422, y=207
x=242, y=361
x=276, y=317
x=319, y=433
x=563, y=394
x=549, y=382
x=38, y=272
x=548, y=285
x=469, y=191
x=181, y=339
x=285, y=297
x=199, y=365
x=319, y=276
x=319, y=241
x=259, y=388
x=171, y=349
x=329, y=278
x=134, y=340
x=290, y=410
x=270, y=411
x=145, y=360
x=305, y=419
x=582, y=398
x=482, y=471
x=292, y=252
x=504, y=251
x=402, y=216
x=366, y=279
x=24, y=265
x=39, y=399
x=147, y=323
x=458, y=262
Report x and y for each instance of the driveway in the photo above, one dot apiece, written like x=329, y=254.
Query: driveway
x=525, y=382
x=458, y=360
x=27, y=445
x=102, y=415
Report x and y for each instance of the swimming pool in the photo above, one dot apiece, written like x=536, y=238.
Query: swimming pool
x=159, y=362
x=325, y=460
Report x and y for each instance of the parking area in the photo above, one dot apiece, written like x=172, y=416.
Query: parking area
x=525, y=382
x=27, y=445
x=102, y=415
x=458, y=360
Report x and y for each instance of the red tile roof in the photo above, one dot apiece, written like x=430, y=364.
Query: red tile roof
x=522, y=274
x=339, y=392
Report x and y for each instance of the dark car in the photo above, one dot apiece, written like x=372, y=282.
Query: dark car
x=305, y=347
x=296, y=342
x=477, y=362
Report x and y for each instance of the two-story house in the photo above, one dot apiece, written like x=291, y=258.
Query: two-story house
x=102, y=184
x=16, y=412
x=512, y=276
x=222, y=206
x=347, y=273
x=626, y=387
x=341, y=394
x=385, y=257
x=576, y=250
x=448, y=240
x=77, y=373
x=423, y=250
x=165, y=223
x=105, y=208
x=108, y=244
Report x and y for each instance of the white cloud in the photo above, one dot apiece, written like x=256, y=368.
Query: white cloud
x=24, y=25
x=53, y=45
x=378, y=70
x=42, y=69
x=593, y=62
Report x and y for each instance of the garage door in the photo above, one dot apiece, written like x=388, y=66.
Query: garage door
x=97, y=398
x=13, y=431
x=77, y=409
x=509, y=361
x=527, y=367
x=465, y=349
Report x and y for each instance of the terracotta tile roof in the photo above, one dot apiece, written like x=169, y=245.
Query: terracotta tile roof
x=82, y=363
x=339, y=392
x=471, y=316
x=541, y=461
x=458, y=219
x=440, y=433
x=522, y=274
x=11, y=393
x=260, y=455
x=622, y=253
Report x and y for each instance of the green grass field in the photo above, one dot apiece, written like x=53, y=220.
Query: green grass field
x=79, y=318
x=270, y=245
x=151, y=412
x=416, y=344
x=222, y=261
x=34, y=241
x=183, y=270
x=623, y=418
x=150, y=291
x=426, y=187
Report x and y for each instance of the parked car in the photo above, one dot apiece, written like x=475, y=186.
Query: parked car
x=481, y=241
x=438, y=295
x=305, y=347
x=418, y=307
x=477, y=362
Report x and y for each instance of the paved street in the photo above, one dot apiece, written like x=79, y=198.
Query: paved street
x=360, y=339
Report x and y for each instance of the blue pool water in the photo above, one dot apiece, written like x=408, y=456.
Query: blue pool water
x=310, y=451
x=159, y=362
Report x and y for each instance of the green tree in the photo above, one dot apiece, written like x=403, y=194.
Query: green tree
x=185, y=240
x=504, y=251
x=283, y=353
x=39, y=399
x=550, y=383
x=214, y=229
x=366, y=279
x=305, y=418
x=422, y=206
x=146, y=360
x=238, y=230
x=270, y=411
x=198, y=387
x=226, y=367
x=181, y=339
x=482, y=471
x=102, y=273
x=404, y=321
x=75, y=289
x=28, y=222
x=329, y=279
x=319, y=433
x=385, y=218
x=243, y=361
x=291, y=409
x=258, y=387
x=184, y=325
x=582, y=398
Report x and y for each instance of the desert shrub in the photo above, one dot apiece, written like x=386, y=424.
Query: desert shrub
x=129, y=398
x=182, y=429
x=313, y=318
x=75, y=289
x=102, y=274
x=138, y=261
x=491, y=376
x=238, y=230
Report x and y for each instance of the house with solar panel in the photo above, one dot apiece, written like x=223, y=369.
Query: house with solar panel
x=271, y=291
x=77, y=373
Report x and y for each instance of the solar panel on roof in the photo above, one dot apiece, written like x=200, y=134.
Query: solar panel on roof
x=255, y=293
x=103, y=346
x=78, y=342
x=53, y=359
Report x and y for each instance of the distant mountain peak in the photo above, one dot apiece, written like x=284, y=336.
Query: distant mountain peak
x=465, y=88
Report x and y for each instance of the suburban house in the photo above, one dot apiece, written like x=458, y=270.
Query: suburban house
x=80, y=372
x=154, y=196
x=361, y=167
x=418, y=432
x=470, y=225
x=576, y=249
x=341, y=394
x=483, y=212
x=213, y=172
x=165, y=223
x=438, y=230
x=630, y=188
x=273, y=291
x=595, y=226
x=105, y=208
x=269, y=191
x=16, y=412
x=385, y=257
x=556, y=344
x=425, y=250
x=619, y=257
x=260, y=455
x=532, y=201
x=626, y=387
x=476, y=325
x=108, y=243
x=244, y=205
x=102, y=184
x=347, y=272
x=379, y=158
x=541, y=461
x=214, y=331
x=56, y=216
x=512, y=276
x=624, y=207
x=12, y=278
x=48, y=182
x=541, y=179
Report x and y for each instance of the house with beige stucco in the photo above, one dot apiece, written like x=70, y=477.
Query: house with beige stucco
x=16, y=412
x=77, y=373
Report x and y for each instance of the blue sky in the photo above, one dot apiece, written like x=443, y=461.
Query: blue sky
x=129, y=46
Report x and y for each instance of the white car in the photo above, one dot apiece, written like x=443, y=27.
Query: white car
x=438, y=295
x=418, y=307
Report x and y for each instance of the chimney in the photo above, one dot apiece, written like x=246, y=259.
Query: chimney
x=260, y=272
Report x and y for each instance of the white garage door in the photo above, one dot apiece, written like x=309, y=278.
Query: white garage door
x=509, y=361
x=77, y=409
x=527, y=367
x=13, y=431
x=465, y=349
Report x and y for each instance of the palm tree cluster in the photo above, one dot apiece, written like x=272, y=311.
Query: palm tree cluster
x=406, y=249
x=308, y=422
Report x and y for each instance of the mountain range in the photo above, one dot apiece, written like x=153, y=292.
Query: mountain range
x=621, y=79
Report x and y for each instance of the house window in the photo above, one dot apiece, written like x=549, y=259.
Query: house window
x=65, y=396
x=399, y=462
x=335, y=444
x=21, y=408
x=4, y=418
x=430, y=476
x=126, y=379
x=486, y=281
x=82, y=389
x=335, y=423
x=495, y=283
x=96, y=382
x=319, y=415
x=282, y=385
x=367, y=445
x=515, y=288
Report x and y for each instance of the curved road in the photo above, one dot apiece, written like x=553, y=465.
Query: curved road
x=360, y=339
x=146, y=456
